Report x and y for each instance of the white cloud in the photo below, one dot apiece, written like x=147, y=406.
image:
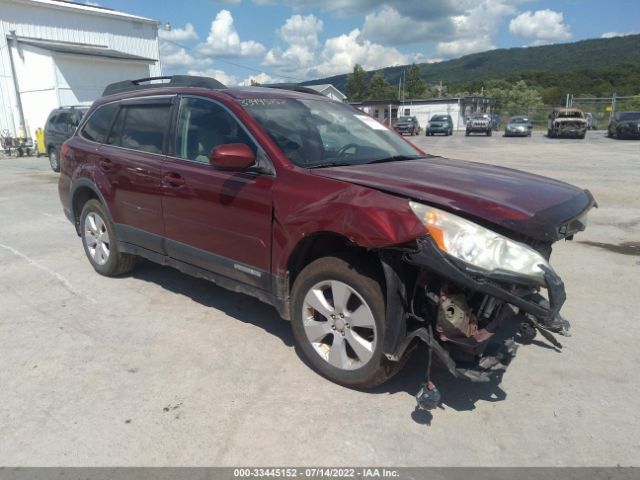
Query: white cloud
x=542, y=26
x=341, y=53
x=176, y=58
x=260, y=78
x=178, y=34
x=220, y=75
x=474, y=29
x=616, y=34
x=223, y=40
x=301, y=35
x=299, y=30
x=419, y=10
x=388, y=26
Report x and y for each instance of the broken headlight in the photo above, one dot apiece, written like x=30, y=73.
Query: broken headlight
x=480, y=247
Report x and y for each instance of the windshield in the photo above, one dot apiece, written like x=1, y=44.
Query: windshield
x=439, y=118
x=519, y=120
x=570, y=114
x=479, y=116
x=629, y=116
x=405, y=119
x=317, y=133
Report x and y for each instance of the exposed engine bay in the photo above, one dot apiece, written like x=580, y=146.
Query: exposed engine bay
x=470, y=322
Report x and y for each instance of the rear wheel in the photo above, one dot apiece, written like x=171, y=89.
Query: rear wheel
x=338, y=315
x=100, y=244
x=54, y=159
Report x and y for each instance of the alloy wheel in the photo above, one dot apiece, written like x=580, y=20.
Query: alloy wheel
x=96, y=238
x=339, y=325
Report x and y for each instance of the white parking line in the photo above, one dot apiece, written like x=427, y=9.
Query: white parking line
x=65, y=283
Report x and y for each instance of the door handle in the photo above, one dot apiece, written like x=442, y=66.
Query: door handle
x=105, y=164
x=174, y=180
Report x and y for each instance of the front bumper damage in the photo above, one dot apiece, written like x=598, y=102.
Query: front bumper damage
x=487, y=345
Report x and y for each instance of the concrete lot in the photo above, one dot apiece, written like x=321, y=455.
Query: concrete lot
x=159, y=369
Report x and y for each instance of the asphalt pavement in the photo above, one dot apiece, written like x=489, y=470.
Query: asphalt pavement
x=158, y=369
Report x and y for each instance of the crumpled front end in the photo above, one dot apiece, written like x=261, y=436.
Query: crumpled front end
x=570, y=127
x=471, y=314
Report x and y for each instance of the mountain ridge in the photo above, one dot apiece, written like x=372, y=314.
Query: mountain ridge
x=591, y=56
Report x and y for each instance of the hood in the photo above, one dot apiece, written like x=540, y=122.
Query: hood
x=531, y=205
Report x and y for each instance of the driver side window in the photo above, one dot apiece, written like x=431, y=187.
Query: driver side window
x=203, y=125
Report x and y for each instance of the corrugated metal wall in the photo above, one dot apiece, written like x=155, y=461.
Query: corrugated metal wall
x=67, y=24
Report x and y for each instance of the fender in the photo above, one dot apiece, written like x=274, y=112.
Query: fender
x=367, y=217
x=85, y=182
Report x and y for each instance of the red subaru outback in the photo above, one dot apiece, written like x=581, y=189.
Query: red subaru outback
x=367, y=244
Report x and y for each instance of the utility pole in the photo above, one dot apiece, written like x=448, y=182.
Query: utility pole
x=22, y=130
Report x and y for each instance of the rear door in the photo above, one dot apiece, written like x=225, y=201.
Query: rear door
x=131, y=159
x=216, y=220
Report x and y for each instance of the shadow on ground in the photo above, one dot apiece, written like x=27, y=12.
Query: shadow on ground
x=460, y=395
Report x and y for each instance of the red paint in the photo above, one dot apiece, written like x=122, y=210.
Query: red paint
x=234, y=156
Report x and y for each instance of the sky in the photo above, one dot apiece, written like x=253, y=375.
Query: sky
x=236, y=41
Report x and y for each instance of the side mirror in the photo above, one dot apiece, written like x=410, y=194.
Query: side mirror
x=232, y=156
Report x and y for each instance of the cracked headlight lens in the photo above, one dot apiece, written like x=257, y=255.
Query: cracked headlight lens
x=479, y=246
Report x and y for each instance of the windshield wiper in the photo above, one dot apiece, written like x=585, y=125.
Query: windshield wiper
x=395, y=158
x=331, y=164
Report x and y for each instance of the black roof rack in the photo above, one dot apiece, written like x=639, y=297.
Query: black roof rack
x=293, y=87
x=174, y=81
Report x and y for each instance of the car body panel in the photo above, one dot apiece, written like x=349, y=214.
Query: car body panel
x=501, y=196
x=221, y=212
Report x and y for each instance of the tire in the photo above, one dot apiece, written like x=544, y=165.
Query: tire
x=466, y=134
x=54, y=159
x=100, y=243
x=489, y=133
x=344, y=353
x=450, y=132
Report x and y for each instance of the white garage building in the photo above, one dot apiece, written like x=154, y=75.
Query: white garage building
x=59, y=53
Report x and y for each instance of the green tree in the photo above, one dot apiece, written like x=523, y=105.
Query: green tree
x=415, y=87
x=357, y=84
x=512, y=98
x=380, y=89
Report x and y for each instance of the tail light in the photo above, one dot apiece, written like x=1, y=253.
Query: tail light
x=66, y=154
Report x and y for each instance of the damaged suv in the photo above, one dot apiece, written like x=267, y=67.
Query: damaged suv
x=368, y=248
x=567, y=122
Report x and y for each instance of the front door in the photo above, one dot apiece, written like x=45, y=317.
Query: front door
x=216, y=220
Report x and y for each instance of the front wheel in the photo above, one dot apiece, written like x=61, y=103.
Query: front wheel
x=489, y=133
x=338, y=315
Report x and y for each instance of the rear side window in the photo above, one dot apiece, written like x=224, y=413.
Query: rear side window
x=98, y=125
x=142, y=127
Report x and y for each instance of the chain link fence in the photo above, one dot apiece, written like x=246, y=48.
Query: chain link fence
x=598, y=110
